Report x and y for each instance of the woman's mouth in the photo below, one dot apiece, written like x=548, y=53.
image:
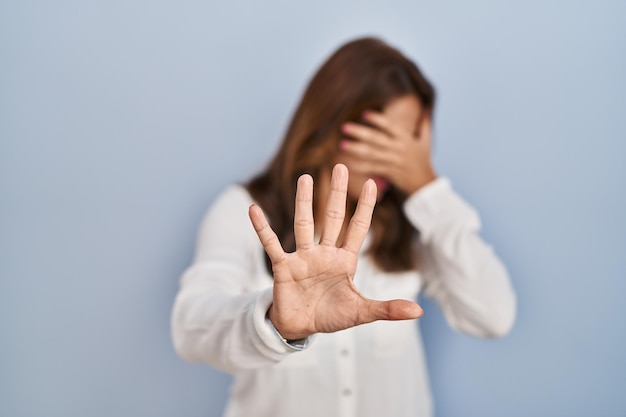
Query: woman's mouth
x=381, y=184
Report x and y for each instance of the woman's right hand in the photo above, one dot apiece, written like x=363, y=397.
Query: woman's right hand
x=313, y=286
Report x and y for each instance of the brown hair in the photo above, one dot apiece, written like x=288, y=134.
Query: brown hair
x=363, y=74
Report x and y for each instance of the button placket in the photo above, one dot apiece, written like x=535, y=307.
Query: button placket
x=347, y=374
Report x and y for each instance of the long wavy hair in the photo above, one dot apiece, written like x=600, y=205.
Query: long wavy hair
x=363, y=74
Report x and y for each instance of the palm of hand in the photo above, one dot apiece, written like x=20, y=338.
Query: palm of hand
x=313, y=287
x=313, y=290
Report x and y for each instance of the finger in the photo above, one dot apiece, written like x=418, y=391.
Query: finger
x=303, y=225
x=370, y=168
x=268, y=238
x=366, y=134
x=380, y=121
x=335, y=211
x=360, y=222
x=391, y=310
x=371, y=152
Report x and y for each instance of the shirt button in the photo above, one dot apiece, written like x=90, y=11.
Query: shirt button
x=346, y=392
x=345, y=352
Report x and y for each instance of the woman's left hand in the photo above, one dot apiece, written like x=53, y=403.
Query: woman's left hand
x=390, y=151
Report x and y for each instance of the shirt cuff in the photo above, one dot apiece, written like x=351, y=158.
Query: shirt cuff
x=266, y=337
x=437, y=206
x=299, y=344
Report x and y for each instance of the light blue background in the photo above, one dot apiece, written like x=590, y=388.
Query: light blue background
x=120, y=121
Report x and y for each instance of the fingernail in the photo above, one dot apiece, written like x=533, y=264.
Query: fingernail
x=345, y=128
x=365, y=114
x=343, y=145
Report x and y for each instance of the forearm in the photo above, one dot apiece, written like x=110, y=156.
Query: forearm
x=225, y=330
x=472, y=286
x=462, y=272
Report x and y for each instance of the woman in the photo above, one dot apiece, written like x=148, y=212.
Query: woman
x=287, y=324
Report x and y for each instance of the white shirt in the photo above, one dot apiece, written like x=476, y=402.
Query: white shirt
x=373, y=370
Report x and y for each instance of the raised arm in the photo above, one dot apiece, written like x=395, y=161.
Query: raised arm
x=461, y=271
x=220, y=313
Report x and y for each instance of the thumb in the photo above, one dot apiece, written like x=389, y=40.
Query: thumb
x=394, y=310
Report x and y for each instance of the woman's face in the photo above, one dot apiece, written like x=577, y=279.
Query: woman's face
x=406, y=112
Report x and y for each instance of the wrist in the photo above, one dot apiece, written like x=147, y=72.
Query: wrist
x=287, y=336
x=429, y=178
x=421, y=181
x=291, y=339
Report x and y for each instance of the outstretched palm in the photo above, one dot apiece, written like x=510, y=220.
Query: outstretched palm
x=313, y=287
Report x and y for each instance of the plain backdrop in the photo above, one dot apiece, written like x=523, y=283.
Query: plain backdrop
x=120, y=121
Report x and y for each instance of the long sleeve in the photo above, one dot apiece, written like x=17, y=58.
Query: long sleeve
x=461, y=272
x=219, y=313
